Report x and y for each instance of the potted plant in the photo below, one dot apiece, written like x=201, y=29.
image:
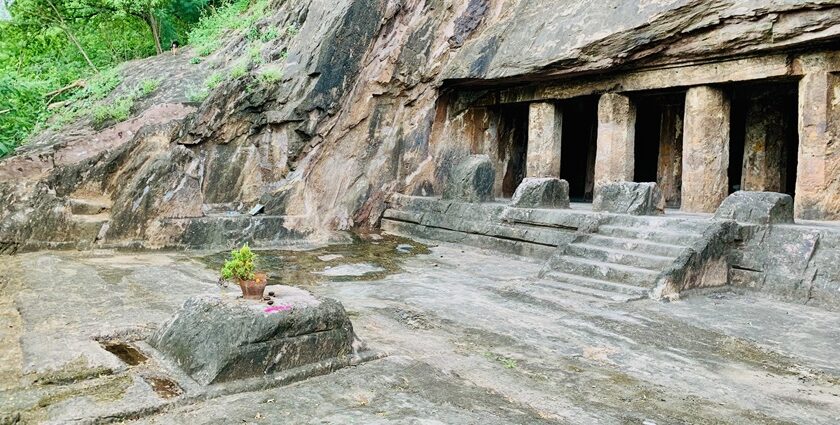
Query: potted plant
x=240, y=267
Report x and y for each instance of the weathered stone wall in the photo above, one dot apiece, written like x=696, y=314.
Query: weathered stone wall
x=790, y=261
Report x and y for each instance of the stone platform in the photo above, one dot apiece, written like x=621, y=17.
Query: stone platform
x=222, y=338
x=621, y=257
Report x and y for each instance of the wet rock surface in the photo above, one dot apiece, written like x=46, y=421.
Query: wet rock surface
x=541, y=193
x=629, y=198
x=472, y=338
x=224, y=338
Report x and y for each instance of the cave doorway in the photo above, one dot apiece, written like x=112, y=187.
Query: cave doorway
x=512, y=148
x=578, y=143
x=659, y=142
x=764, y=137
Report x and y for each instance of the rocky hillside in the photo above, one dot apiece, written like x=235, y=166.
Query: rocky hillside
x=348, y=104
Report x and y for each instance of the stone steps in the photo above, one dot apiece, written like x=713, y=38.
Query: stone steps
x=620, y=256
x=671, y=237
x=635, y=245
x=618, y=273
x=598, y=285
x=559, y=291
x=87, y=206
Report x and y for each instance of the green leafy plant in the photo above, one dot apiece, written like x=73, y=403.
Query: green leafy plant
x=241, y=265
x=195, y=61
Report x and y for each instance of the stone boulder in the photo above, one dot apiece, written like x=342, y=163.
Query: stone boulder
x=548, y=192
x=757, y=207
x=224, y=338
x=629, y=198
x=471, y=181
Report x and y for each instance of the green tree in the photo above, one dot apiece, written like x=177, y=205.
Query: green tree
x=43, y=16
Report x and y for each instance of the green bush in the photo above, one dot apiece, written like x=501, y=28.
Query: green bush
x=196, y=94
x=214, y=80
x=147, y=87
x=241, y=264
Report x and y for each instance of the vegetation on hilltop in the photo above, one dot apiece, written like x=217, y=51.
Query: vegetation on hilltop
x=59, y=57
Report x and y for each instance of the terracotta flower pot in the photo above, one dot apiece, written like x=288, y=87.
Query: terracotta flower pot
x=253, y=289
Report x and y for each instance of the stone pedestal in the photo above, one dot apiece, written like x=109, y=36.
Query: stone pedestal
x=545, y=128
x=224, y=338
x=705, y=181
x=616, y=140
x=629, y=198
x=548, y=192
x=818, y=169
x=757, y=207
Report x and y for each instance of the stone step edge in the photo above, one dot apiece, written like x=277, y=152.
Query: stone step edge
x=587, y=291
x=625, y=252
x=648, y=242
x=616, y=266
x=621, y=288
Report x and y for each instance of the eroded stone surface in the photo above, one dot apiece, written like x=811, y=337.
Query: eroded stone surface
x=541, y=193
x=545, y=127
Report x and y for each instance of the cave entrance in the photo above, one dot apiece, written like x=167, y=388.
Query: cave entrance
x=579, y=140
x=764, y=138
x=512, y=149
x=659, y=142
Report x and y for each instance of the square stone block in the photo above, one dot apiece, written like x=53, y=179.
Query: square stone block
x=546, y=192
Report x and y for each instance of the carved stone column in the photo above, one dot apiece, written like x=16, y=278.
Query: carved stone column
x=616, y=140
x=818, y=169
x=705, y=178
x=545, y=127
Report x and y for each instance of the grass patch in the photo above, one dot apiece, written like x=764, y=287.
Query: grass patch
x=196, y=94
x=233, y=16
x=270, y=76
x=147, y=87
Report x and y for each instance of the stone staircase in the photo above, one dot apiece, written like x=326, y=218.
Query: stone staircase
x=623, y=259
x=90, y=217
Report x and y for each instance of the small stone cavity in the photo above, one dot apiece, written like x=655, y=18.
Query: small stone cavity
x=164, y=387
x=125, y=352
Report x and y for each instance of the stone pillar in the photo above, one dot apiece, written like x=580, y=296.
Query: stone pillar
x=764, y=143
x=705, y=182
x=818, y=169
x=616, y=140
x=545, y=127
x=669, y=166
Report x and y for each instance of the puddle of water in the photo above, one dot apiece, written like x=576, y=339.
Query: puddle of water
x=125, y=352
x=164, y=387
x=381, y=256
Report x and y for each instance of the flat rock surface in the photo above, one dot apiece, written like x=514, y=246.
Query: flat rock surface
x=471, y=340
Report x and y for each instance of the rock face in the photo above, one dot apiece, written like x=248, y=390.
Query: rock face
x=757, y=208
x=629, y=198
x=541, y=193
x=363, y=110
x=471, y=181
x=218, y=339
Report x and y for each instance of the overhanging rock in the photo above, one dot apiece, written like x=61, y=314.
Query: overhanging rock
x=629, y=198
x=757, y=208
x=471, y=181
x=217, y=339
x=546, y=192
